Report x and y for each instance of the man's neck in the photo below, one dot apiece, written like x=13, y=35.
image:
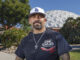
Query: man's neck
x=39, y=31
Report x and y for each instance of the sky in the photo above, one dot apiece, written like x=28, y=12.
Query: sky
x=67, y=5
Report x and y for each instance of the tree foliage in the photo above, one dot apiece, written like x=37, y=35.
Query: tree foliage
x=12, y=37
x=71, y=30
x=13, y=11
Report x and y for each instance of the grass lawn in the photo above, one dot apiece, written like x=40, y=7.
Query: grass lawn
x=75, y=55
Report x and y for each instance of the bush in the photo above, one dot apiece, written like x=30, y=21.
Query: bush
x=71, y=30
x=12, y=37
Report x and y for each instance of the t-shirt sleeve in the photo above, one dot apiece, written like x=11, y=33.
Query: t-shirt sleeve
x=19, y=52
x=62, y=45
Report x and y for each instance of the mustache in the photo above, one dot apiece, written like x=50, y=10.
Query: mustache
x=37, y=22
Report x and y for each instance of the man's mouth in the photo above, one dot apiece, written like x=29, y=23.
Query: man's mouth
x=37, y=23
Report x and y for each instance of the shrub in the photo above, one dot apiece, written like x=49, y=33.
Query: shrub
x=12, y=37
x=71, y=30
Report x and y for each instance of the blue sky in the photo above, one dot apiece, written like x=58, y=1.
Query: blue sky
x=67, y=5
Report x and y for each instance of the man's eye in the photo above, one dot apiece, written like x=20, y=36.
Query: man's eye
x=41, y=16
x=32, y=16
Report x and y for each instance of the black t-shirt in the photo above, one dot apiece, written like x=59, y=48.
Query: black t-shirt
x=51, y=46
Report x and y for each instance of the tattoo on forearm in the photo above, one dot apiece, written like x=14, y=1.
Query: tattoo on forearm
x=65, y=56
x=18, y=58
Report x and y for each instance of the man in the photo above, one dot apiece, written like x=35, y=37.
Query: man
x=42, y=43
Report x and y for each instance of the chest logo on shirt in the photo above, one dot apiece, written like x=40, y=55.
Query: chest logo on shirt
x=48, y=45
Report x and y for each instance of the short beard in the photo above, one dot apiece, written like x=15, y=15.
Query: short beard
x=37, y=26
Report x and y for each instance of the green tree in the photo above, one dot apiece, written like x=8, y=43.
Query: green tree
x=67, y=26
x=71, y=30
x=12, y=37
x=25, y=25
x=13, y=12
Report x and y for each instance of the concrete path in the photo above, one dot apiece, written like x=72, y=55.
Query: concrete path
x=5, y=56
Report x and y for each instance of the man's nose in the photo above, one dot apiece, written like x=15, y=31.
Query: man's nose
x=37, y=19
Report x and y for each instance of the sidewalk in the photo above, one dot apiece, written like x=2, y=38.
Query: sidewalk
x=5, y=56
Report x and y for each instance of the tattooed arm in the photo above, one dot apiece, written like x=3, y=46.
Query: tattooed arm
x=65, y=56
x=18, y=58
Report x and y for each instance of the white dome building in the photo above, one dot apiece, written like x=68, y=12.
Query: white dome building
x=56, y=18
